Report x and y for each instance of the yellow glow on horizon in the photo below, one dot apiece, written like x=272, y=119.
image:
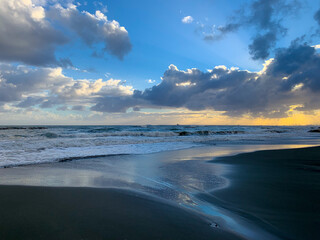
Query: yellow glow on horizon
x=216, y=118
x=163, y=116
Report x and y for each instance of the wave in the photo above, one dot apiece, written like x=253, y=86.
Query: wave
x=140, y=134
x=65, y=143
x=166, y=134
x=114, y=132
x=20, y=157
x=107, y=129
x=21, y=128
x=66, y=159
x=50, y=135
x=206, y=133
x=276, y=131
x=69, y=159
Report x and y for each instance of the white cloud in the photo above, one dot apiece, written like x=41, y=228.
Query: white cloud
x=187, y=19
x=26, y=87
x=26, y=35
x=290, y=79
x=101, y=6
x=32, y=30
x=151, y=81
x=93, y=28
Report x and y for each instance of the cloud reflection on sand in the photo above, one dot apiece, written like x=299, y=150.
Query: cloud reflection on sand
x=177, y=176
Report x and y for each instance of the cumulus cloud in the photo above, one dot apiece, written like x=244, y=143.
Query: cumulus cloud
x=265, y=17
x=30, y=33
x=26, y=35
x=26, y=87
x=289, y=81
x=187, y=19
x=93, y=28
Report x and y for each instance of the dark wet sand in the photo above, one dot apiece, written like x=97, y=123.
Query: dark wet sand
x=91, y=213
x=279, y=189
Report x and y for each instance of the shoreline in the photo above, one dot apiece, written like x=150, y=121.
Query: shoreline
x=144, y=173
x=278, y=189
x=255, y=146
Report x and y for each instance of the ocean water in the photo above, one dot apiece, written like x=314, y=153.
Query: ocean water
x=22, y=145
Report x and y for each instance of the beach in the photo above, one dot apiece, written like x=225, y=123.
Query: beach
x=88, y=213
x=159, y=120
x=279, y=188
x=184, y=194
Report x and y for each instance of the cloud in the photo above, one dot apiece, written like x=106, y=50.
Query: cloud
x=26, y=35
x=93, y=29
x=150, y=81
x=118, y=104
x=187, y=19
x=25, y=87
x=265, y=18
x=261, y=45
x=18, y=81
x=101, y=6
x=31, y=32
x=289, y=81
x=317, y=16
x=78, y=108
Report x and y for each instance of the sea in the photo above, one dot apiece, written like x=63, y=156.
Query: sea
x=24, y=145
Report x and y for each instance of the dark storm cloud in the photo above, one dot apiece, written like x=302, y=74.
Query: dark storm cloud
x=265, y=17
x=292, y=78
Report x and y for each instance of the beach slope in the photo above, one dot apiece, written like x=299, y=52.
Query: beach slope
x=279, y=189
x=92, y=213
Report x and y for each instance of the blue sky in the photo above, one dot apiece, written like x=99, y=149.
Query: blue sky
x=159, y=38
x=62, y=48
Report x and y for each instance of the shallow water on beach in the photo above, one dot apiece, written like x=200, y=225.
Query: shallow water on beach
x=178, y=176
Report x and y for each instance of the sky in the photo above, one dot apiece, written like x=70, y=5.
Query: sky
x=160, y=62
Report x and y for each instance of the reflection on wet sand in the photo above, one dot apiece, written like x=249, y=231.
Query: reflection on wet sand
x=174, y=175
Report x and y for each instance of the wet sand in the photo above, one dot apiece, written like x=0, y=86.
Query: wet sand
x=91, y=213
x=278, y=189
x=265, y=195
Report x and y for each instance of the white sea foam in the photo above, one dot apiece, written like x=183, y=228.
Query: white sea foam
x=22, y=157
x=31, y=145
